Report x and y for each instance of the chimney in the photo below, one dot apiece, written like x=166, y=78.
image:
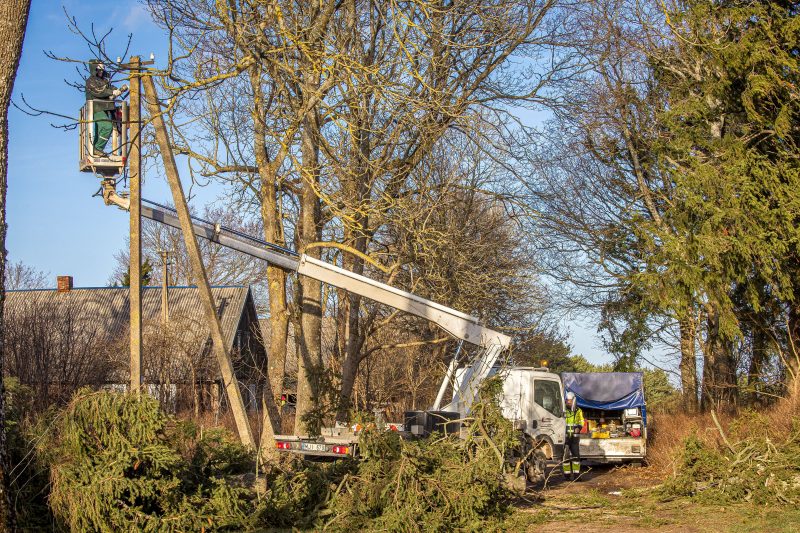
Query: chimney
x=64, y=283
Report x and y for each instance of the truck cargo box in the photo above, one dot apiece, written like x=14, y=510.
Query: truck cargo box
x=614, y=407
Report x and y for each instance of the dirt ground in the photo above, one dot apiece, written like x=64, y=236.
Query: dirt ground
x=622, y=499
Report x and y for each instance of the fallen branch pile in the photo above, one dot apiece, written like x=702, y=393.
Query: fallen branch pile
x=755, y=468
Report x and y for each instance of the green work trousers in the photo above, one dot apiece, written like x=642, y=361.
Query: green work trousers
x=102, y=129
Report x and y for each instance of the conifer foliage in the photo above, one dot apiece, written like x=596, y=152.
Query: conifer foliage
x=118, y=463
x=116, y=467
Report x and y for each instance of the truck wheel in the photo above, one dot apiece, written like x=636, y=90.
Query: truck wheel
x=534, y=468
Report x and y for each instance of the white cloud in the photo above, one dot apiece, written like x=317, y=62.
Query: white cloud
x=136, y=17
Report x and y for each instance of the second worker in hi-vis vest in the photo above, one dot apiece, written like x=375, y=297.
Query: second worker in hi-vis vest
x=571, y=466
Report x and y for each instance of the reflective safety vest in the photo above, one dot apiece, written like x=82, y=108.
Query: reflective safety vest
x=574, y=418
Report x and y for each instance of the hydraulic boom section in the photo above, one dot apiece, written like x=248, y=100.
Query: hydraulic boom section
x=460, y=325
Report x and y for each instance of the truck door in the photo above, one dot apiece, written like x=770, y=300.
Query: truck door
x=548, y=410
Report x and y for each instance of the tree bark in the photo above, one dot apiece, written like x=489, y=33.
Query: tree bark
x=719, y=373
x=276, y=277
x=355, y=334
x=688, y=364
x=791, y=360
x=757, y=360
x=310, y=365
x=357, y=187
x=13, y=21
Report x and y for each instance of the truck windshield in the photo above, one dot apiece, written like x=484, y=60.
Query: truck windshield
x=547, y=394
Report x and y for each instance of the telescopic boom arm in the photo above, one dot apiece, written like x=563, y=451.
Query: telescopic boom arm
x=458, y=324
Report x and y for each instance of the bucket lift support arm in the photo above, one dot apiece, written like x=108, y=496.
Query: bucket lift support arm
x=458, y=324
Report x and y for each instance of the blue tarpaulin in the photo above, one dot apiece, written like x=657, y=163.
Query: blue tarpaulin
x=606, y=390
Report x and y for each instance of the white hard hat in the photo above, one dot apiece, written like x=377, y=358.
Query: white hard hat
x=570, y=396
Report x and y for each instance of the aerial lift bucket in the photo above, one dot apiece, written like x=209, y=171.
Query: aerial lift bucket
x=113, y=162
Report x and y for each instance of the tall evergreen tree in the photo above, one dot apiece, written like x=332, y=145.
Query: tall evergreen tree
x=730, y=146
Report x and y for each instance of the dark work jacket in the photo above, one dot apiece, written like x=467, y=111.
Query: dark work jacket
x=101, y=91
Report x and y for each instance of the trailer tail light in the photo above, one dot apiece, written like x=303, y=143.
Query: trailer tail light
x=636, y=449
x=284, y=445
x=341, y=450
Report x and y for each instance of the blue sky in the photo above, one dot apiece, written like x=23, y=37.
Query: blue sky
x=54, y=223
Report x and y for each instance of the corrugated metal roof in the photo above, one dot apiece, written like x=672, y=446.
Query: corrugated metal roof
x=111, y=306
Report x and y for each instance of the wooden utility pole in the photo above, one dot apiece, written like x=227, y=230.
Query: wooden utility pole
x=135, y=265
x=199, y=271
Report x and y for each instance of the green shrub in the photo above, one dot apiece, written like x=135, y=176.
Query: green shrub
x=298, y=492
x=434, y=484
x=437, y=484
x=116, y=462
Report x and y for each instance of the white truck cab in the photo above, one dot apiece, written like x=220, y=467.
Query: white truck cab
x=533, y=399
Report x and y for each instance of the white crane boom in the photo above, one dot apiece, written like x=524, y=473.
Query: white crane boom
x=458, y=324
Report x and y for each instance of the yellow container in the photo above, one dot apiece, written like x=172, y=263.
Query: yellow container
x=600, y=435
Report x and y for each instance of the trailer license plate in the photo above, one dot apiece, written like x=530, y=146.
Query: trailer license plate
x=313, y=447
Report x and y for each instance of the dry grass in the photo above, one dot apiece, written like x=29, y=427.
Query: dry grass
x=667, y=435
x=669, y=431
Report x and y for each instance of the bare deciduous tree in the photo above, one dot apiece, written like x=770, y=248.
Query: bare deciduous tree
x=21, y=276
x=319, y=115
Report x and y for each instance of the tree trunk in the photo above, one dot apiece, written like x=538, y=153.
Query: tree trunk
x=355, y=335
x=356, y=188
x=13, y=20
x=719, y=372
x=757, y=359
x=792, y=358
x=354, y=346
x=276, y=277
x=688, y=364
x=309, y=365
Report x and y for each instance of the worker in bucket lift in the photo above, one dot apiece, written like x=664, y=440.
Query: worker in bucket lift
x=99, y=89
x=571, y=465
